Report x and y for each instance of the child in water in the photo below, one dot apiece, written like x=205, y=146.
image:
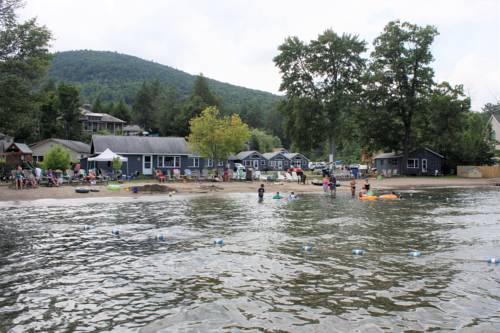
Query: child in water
x=261, y=192
x=292, y=196
x=277, y=196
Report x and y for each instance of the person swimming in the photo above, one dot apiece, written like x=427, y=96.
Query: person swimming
x=277, y=196
x=292, y=196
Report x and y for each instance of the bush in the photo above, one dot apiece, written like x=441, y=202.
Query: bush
x=57, y=158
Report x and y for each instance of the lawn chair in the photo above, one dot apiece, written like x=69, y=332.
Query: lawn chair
x=280, y=177
x=295, y=178
x=288, y=177
x=176, y=174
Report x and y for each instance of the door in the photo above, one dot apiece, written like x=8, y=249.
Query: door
x=256, y=164
x=147, y=164
x=280, y=164
x=424, y=166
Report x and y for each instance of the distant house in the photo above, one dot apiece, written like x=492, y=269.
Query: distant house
x=421, y=162
x=94, y=122
x=277, y=161
x=298, y=160
x=494, y=121
x=17, y=154
x=249, y=158
x=77, y=149
x=132, y=130
x=146, y=154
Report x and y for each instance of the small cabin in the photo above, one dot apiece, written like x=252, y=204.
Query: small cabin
x=18, y=154
x=249, y=158
x=421, y=162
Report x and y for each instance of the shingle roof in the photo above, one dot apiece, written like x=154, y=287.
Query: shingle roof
x=497, y=116
x=269, y=156
x=243, y=154
x=132, y=128
x=290, y=156
x=387, y=155
x=140, y=144
x=76, y=146
x=104, y=116
x=23, y=148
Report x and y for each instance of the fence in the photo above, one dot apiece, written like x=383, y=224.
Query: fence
x=483, y=171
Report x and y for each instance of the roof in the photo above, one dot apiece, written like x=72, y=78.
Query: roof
x=496, y=116
x=394, y=155
x=23, y=148
x=140, y=144
x=132, y=128
x=269, y=156
x=104, y=116
x=243, y=154
x=293, y=155
x=75, y=146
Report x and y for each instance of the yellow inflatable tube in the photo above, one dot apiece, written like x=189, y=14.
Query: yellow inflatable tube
x=368, y=197
x=388, y=196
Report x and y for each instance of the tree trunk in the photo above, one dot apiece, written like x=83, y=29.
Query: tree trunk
x=331, y=149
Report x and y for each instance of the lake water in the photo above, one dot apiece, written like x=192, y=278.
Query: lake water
x=57, y=277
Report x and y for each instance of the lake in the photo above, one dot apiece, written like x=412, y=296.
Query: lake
x=56, y=275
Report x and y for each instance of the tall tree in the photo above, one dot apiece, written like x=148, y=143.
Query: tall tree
x=262, y=141
x=399, y=80
x=323, y=76
x=144, y=111
x=216, y=137
x=24, y=60
x=49, y=113
x=98, y=107
x=121, y=111
x=201, y=97
x=69, y=103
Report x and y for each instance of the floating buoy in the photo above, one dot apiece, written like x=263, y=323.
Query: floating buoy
x=161, y=237
x=219, y=241
x=307, y=248
x=415, y=254
x=115, y=232
x=493, y=260
x=358, y=252
x=88, y=227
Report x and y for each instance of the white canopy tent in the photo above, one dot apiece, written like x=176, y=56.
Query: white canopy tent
x=108, y=156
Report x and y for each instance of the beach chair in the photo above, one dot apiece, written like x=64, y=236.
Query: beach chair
x=280, y=177
x=256, y=175
x=295, y=178
x=288, y=177
x=176, y=174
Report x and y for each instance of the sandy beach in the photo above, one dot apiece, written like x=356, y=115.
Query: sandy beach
x=209, y=188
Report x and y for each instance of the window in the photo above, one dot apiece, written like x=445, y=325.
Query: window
x=247, y=163
x=297, y=163
x=210, y=163
x=263, y=162
x=169, y=161
x=220, y=164
x=412, y=163
x=272, y=163
x=38, y=158
x=195, y=163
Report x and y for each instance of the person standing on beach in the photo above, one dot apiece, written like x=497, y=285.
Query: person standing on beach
x=261, y=191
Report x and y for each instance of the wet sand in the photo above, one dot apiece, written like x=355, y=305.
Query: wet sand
x=210, y=188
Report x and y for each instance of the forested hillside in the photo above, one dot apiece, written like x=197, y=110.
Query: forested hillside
x=113, y=76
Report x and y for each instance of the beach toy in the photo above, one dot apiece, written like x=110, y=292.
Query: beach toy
x=493, y=260
x=115, y=232
x=368, y=198
x=161, y=237
x=415, y=254
x=358, y=252
x=82, y=190
x=114, y=187
x=307, y=248
x=219, y=241
x=88, y=227
x=388, y=196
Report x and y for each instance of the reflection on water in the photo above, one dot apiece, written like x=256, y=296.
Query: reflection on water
x=56, y=276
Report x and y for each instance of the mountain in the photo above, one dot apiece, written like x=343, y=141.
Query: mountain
x=112, y=76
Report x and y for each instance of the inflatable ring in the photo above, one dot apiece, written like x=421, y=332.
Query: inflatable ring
x=368, y=198
x=82, y=190
x=388, y=196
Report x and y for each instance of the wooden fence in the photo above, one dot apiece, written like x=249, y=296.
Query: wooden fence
x=482, y=171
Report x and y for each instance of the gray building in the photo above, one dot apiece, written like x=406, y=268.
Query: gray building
x=297, y=160
x=421, y=162
x=276, y=161
x=94, y=122
x=77, y=149
x=146, y=154
x=249, y=158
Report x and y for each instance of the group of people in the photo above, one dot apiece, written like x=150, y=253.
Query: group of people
x=33, y=178
x=277, y=195
x=330, y=183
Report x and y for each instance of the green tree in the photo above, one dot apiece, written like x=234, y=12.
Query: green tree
x=217, y=137
x=201, y=98
x=24, y=60
x=476, y=144
x=49, y=114
x=262, y=141
x=144, y=111
x=98, y=107
x=121, y=111
x=399, y=80
x=69, y=103
x=117, y=164
x=57, y=158
x=322, y=78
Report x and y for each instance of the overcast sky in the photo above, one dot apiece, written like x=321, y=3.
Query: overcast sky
x=235, y=41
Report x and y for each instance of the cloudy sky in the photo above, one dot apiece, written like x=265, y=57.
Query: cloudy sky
x=235, y=40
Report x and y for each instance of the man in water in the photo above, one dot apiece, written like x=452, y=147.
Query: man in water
x=292, y=196
x=261, y=191
x=353, y=187
x=333, y=185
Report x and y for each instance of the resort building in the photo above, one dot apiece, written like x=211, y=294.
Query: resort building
x=94, y=122
x=249, y=158
x=17, y=154
x=276, y=161
x=297, y=160
x=422, y=162
x=76, y=149
x=132, y=130
x=494, y=122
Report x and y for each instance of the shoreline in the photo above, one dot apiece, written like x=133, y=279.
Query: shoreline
x=210, y=188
